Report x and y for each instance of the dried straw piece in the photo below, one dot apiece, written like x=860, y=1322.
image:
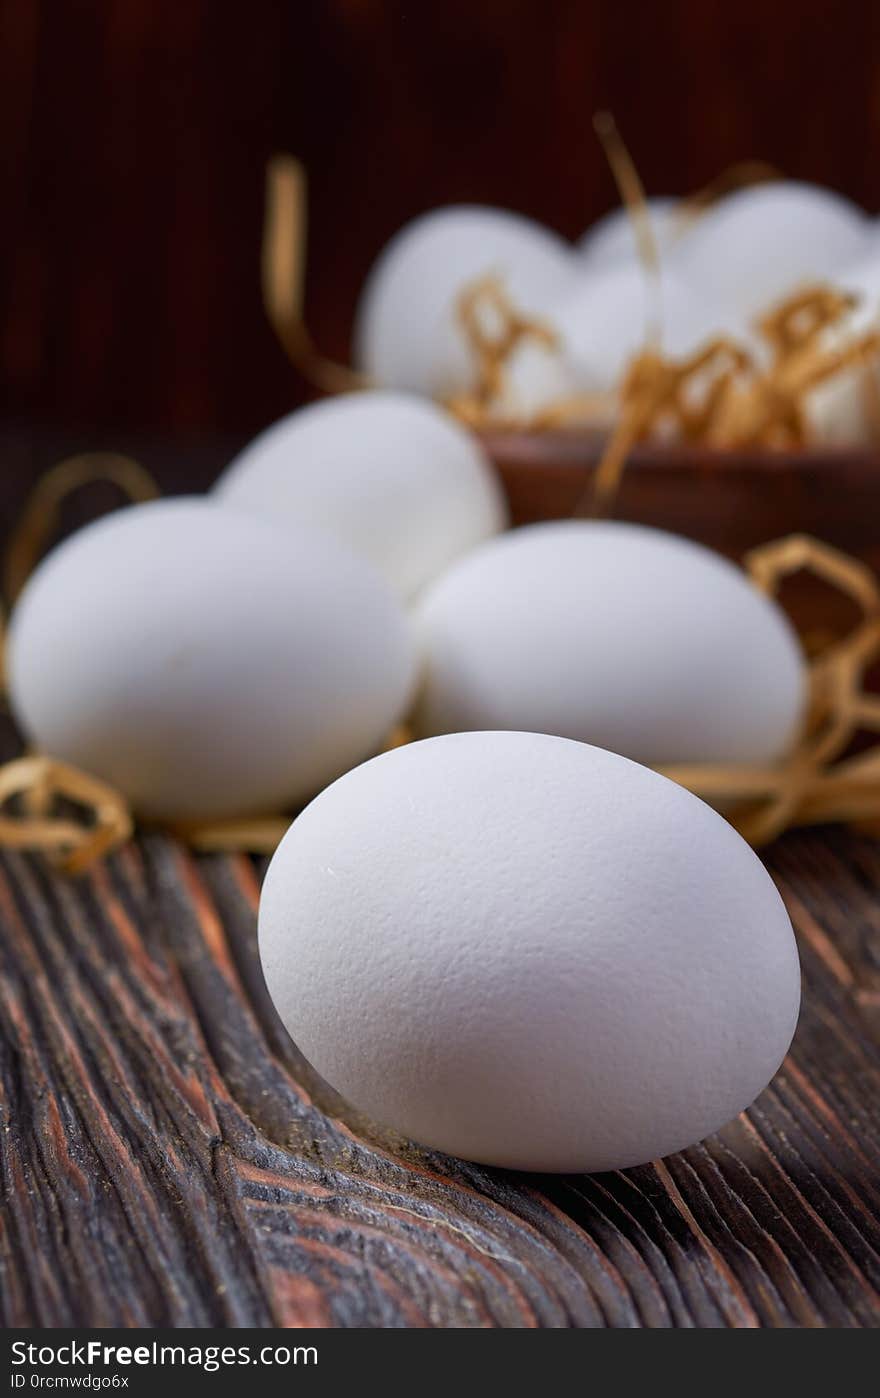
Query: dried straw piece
x=283, y=277
x=817, y=782
x=482, y=305
x=654, y=393
x=40, y=781
x=771, y=409
x=493, y=329
x=632, y=193
x=39, y=519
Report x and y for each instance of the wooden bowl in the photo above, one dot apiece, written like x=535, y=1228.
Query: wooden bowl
x=731, y=500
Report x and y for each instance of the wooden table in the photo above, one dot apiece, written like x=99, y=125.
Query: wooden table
x=168, y=1159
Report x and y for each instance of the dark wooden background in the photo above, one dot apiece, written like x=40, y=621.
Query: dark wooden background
x=133, y=136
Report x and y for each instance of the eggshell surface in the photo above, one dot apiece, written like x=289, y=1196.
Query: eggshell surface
x=760, y=244
x=605, y=319
x=529, y=952
x=407, y=333
x=393, y=476
x=204, y=663
x=627, y=637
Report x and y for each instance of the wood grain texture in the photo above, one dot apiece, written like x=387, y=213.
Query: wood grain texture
x=167, y=1157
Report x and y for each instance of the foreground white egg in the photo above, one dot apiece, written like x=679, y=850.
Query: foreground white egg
x=407, y=333
x=757, y=246
x=206, y=664
x=604, y=320
x=612, y=238
x=631, y=638
x=391, y=475
x=529, y=952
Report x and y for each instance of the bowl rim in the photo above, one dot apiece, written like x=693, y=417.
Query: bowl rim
x=575, y=449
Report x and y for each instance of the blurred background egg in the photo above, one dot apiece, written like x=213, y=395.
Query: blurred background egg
x=605, y=318
x=407, y=334
x=391, y=475
x=614, y=634
x=756, y=246
x=206, y=664
x=488, y=929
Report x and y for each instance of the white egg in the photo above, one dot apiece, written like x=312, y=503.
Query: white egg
x=612, y=238
x=758, y=245
x=206, y=664
x=407, y=333
x=604, y=320
x=845, y=409
x=535, y=379
x=614, y=634
x=529, y=952
x=394, y=477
